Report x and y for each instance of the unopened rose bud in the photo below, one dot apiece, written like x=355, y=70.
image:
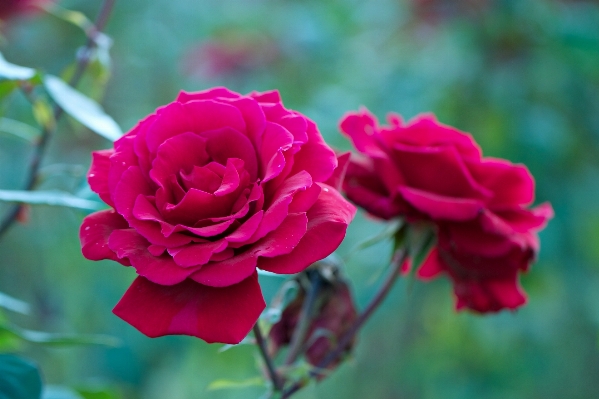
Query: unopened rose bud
x=332, y=315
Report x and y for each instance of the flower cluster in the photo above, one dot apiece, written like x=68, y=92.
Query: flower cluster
x=216, y=185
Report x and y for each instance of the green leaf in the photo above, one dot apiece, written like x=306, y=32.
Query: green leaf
x=7, y=87
x=14, y=72
x=82, y=108
x=19, y=378
x=100, y=393
x=59, y=339
x=229, y=384
x=16, y=305
x=73, y=17
x=52, y=198
x=19, y=129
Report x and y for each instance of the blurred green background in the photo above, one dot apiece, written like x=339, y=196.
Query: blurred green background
x=521, y=75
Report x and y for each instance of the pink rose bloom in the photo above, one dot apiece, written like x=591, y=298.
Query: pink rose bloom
x=204, y=191
x=424, y=170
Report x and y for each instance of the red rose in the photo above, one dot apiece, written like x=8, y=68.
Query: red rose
x=9, y=8
x=424, y=170
x=204, y=191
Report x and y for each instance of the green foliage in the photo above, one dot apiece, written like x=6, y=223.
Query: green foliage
x=57, y=339
x=14, y=72
x=19, y=378
x=52, y=198
x=229, y=384
x=82, y=108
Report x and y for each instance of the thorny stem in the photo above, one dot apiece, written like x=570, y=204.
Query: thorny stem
x=305, y=316
x=272, y=372
x=346, y=338
x=47, y=132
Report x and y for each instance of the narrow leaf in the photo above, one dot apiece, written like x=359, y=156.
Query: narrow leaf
x=53, y=198
x=19, y=129
x=59, y=339
x=16, y=305
x=82, y=108
x=14, y=72
x=229, y=384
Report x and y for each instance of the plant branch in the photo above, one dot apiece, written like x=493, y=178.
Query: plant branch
x=348, y=336
x=305, y=316
x=272, y=372
x=47, y=132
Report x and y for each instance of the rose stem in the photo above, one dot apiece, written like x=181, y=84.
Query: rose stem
x=398, y=260
x=272, y=372
x=297, y=340
x=47, y=132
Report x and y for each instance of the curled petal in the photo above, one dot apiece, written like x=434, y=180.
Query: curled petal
x=315, y=157
x=327, y=222
x=227, y=272
x=362, y=129
x=95, y=231
x=442, y=207
x=98, y=174
x=158, y=269
x=511, y=184
x=213, y=314
x=338, y=175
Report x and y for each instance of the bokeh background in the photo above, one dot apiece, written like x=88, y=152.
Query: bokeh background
x=521, y=75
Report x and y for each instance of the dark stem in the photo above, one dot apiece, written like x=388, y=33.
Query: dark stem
x=305, y=316
x=47, y=132
x=348, y=336
x=272, y=372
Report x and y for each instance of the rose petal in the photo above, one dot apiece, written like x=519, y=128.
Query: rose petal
x=315, y=157
x=94, y=233
x=511, y=184
x=439, y=170
x=488, y=296
x=275, y=141
x=158, y=269
x=247, y=229
x=362, y=129
x=196, y=254
x=227, y=272
x=216, y=92
x=278, y=209
x=271, y=96
x=327, y=222
x=252, y=114
x=131, y=185
x=213, y=314
x=441, y=207
x=178, y=154
x=431, y=267
x=98, y=174
x=338, y=175
x=227, y=143
x=425, y=131
x=284, y=239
